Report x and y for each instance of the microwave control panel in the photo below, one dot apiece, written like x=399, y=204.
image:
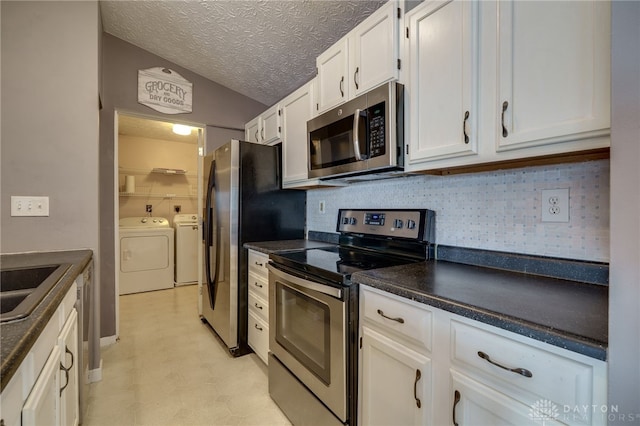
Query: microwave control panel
x=377, y=130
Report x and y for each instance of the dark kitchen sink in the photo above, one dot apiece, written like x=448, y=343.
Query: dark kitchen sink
x=22, y=289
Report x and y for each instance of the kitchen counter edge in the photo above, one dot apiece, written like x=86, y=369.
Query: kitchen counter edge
x=17, y=337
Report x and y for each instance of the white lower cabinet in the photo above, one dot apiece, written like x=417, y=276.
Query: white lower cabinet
x=473, y=403
x=69, y=384
x=42, y=407
x=471, y=373
x=258, y=315
x=44, y=389
x=396, y=382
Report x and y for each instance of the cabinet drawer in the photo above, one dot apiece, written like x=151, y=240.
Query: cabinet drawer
x=258, y=306
x=259, y=285
x=258, y=263
x=397, y=316
x=258, y=336
x=565, y=381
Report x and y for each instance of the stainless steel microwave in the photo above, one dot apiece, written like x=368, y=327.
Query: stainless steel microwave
x=364, y=135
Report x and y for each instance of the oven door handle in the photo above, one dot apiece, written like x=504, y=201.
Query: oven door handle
x=310, y=285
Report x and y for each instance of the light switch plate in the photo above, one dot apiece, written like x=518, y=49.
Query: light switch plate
x=29, y=206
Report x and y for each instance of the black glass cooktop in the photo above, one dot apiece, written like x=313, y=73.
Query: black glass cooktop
x=337, y=263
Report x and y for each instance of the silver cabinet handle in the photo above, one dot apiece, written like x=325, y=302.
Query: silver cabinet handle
x=397, y=319
x=262, y=133
x=341, y=86
x=259, y=264
x=257, y=306
x=257, y=285
x=415, y=388
x=256, y=135
x=522, y=371
x=257, y=327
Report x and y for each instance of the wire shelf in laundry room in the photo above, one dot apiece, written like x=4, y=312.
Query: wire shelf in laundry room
x=157, y=183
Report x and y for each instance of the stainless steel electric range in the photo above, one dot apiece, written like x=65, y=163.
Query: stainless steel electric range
x=313, y=310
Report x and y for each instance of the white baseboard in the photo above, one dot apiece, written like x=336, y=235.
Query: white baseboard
x=95, y=375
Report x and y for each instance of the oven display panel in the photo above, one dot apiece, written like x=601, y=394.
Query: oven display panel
x=374, y=219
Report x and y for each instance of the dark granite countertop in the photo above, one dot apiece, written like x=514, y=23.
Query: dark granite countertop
x=17, y=337
x=564, y=313
x=269, y=247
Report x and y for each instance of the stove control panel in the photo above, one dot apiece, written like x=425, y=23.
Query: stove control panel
x=387, y=223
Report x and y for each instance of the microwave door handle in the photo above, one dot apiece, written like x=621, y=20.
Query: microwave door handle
x=356, y=128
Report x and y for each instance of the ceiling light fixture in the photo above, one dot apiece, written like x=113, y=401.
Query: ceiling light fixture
x=181, y=129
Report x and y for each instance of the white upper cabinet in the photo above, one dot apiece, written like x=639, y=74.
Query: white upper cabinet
x=252, y=130
x=265, y=128
x=442, y=81
x=553, y=72
x=375, y=54
x=296, y=111
x=333, y=69
x=365, y=58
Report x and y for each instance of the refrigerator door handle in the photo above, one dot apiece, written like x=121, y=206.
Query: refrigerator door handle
x=210, y=239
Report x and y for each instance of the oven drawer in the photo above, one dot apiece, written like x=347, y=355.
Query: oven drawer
x=397, y=316
x=259, y=285
x=258, y=264
x=258, y=306
x=258, y=336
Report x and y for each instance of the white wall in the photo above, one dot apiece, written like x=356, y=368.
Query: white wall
x=50, y=123
x=497, y=210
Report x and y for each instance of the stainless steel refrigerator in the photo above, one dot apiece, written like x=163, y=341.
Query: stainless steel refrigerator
x=244, y=203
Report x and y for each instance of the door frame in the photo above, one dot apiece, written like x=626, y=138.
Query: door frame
x=201, y=127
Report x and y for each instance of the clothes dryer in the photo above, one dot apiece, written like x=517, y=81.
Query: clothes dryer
x=146, y=254
x=187, y=245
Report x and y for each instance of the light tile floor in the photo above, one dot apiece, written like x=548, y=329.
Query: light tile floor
x=168, y=368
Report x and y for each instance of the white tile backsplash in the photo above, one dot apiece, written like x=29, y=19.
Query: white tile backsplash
x=499, y=210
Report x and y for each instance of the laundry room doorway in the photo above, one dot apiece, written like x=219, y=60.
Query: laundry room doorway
x=158, y=175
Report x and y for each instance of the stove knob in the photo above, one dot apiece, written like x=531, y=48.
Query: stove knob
x=144, y=220
x=397, y=223
x=411, y=224
x=352, y=221
x=155, y=220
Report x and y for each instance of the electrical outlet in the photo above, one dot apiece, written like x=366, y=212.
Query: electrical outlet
x=555, y=205
x=29, y=206
x=321, y=207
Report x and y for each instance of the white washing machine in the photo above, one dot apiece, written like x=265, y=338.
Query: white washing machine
x=187, y=245
x=146, y=254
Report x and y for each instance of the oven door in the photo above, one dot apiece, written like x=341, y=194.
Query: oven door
x=308, y=334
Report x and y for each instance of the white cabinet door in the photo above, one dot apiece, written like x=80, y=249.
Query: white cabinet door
x=395, y=382
x=69, y=398
x=442, y=83
x=42, y=407
x=473, y=403
x=270, y=127
x=296, y=111
x=553, y=66
x=374, y=58
x=333, y=68
x=252, y=130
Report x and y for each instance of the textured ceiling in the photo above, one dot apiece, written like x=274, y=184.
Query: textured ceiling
x=263, y=49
